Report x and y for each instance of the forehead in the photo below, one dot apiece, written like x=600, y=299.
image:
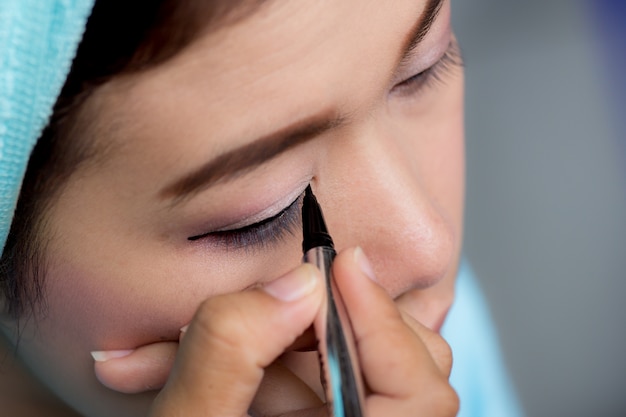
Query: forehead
x=281, y=62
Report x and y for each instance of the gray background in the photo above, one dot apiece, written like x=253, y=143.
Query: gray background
x=546, y=203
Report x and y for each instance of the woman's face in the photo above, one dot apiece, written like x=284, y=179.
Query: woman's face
x=228, y=134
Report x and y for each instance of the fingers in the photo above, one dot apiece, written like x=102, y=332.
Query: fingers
x=226, y=352
x=396, y=362
x=222, y=358
x=436, y=345
x=143, y=369
x=282, y=392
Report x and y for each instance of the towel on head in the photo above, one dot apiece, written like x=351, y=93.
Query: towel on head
x=38, y=40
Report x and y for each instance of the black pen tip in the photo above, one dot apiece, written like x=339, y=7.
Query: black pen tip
x=313, y=226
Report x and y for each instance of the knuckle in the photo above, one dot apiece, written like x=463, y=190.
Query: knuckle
x=443, y=353
x=440, y=351
x=452, y=403
x=445, y=401
x=221, y=322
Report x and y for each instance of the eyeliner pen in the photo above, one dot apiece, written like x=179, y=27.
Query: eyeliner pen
x=341, y=375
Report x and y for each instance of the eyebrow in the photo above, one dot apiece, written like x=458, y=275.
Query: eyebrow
x=243, y=159
x=431, y=11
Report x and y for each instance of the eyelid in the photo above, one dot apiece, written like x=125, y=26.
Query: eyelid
x=423, y=56
x=450, y=59
x=255, y=233
x=267, y=212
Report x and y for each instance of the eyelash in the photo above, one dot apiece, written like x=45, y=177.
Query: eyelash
x=258, y=235
x=450, y=60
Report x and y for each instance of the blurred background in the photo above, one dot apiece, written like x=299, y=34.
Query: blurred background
x=546, y=194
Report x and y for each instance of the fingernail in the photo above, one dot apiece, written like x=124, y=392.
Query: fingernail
x=105, y=355
x=364, y=264
x=184, y=328
x=294, y=285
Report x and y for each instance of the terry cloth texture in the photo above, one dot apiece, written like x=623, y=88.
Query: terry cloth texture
x=38, y=40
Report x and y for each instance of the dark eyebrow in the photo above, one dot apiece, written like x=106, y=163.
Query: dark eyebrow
x=431, y=11
x=244, y=158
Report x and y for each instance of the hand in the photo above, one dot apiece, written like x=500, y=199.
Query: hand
x=235, y=339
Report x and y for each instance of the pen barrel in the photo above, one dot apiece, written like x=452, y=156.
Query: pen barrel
x=322, y=257
x=341, y=373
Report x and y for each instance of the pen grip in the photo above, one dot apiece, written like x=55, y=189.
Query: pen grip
x=341, y=375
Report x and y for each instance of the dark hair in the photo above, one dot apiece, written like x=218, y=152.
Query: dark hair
x=121, y=37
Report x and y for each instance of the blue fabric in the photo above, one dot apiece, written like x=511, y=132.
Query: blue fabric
x=38, y=39
x=478, y=372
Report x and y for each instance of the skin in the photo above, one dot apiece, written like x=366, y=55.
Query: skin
x=123, y=278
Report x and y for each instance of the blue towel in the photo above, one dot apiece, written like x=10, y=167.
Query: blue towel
x=478, y=374
x=38, y=40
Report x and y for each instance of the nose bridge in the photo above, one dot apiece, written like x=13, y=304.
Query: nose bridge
x=386, y=209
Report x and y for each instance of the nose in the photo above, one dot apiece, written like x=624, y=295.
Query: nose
x=385, y=201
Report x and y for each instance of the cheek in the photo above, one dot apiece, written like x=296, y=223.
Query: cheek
x=101, y=310
x=141, y=296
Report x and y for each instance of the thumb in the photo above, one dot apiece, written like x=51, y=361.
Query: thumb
x=230, y=341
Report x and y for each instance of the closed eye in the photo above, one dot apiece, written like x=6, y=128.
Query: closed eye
x=451, y=60
x=257, y=235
